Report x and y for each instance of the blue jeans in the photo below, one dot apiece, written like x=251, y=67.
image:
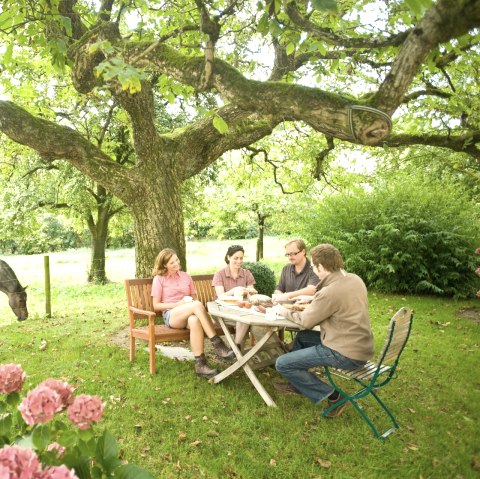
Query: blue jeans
x=309, y=352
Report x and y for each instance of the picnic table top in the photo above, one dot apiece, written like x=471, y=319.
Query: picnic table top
x=244, y=315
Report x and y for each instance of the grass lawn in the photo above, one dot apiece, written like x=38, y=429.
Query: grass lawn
x=179, y=426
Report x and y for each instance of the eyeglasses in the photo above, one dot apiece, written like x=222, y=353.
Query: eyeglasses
x=288, y=255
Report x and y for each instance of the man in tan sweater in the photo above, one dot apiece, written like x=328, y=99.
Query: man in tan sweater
x=345, y=341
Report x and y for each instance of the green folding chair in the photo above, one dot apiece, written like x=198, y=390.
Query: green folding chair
x=373, y=376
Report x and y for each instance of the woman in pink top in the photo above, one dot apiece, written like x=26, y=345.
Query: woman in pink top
x=174, y=295
x=234, y=279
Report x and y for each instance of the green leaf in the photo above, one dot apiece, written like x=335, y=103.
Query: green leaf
x=7, y=56
x=5, y=424
x=220, y=124
x=263, y=24
x=13, y=399
x=25, y=442
x=290, y=48
x=415, y=7
x=41, y=436
x=68, y=438
x=324, y=5
x=130, y=471
x=106, y=452
x=275, y=28
x=67, y=25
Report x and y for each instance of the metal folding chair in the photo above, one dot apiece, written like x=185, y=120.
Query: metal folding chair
x=374, y=375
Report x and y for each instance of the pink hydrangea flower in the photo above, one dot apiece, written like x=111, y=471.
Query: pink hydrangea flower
x=63, y=389
x=58, y=448
x=85, y=410
x=40, y=405
x=58, y=472
x=12, y=377
x=477, y=271
x=18, y=463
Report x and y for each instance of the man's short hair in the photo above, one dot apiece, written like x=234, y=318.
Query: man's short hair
x=328, y=256
x=299, y=243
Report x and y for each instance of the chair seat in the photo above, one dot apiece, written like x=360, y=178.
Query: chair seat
x=164, y=333
x=362, y=373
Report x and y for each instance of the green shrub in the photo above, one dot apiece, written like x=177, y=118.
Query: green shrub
x=264, y=277
x=407, y=235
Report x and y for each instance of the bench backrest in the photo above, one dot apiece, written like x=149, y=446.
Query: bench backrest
x=139, y=291
x=397, y=337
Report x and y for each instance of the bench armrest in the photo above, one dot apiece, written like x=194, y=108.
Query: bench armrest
x=142, y=312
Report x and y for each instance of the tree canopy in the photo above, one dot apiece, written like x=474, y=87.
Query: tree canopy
x=373, y=73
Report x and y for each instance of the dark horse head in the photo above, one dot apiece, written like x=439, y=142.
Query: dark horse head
x=18, y=303
x=17, y=297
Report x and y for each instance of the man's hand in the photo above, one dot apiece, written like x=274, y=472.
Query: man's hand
x=277, y=298
x=303, y=299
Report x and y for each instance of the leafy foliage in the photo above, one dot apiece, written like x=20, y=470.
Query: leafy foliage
x=407, y=235
x=264, y=277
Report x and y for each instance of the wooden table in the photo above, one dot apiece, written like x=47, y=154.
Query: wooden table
x=263, y=353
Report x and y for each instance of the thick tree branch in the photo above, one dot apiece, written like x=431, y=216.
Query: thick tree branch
x=56, y=142
x=201, y=144
x=445, y=20
x=468, y=143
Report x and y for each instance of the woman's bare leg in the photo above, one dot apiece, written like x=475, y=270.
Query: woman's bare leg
x=180, y=314
x=197, y=335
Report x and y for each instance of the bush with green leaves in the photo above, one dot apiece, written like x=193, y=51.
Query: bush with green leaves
x=407, y=235
x=264, y=277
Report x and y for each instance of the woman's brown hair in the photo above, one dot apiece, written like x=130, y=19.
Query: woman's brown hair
x=160, y=266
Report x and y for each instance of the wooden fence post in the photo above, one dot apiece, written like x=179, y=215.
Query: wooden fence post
x=48, y=298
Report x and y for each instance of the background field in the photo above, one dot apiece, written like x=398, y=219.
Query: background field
x=179, y=426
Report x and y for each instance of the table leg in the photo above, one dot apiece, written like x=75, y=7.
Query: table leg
x=242, y=361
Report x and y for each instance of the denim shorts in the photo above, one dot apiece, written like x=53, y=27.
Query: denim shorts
x=166, y=317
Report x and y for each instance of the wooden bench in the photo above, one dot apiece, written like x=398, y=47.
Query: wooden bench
x=374, y=375
x=140, y=310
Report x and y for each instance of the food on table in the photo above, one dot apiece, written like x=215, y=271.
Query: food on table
x=228, y=299
x=261, y=300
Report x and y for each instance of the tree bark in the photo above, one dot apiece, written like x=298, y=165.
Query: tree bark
x=159, y=224
x=99, y=234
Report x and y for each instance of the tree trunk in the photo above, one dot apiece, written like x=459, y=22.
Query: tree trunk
x=99, y=232
x=158, y=218
x=261, y=229
x=97, y=273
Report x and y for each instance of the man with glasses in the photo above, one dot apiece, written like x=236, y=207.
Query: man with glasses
x=297, y=278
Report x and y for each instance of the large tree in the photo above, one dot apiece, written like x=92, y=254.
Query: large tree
x=360, y=71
